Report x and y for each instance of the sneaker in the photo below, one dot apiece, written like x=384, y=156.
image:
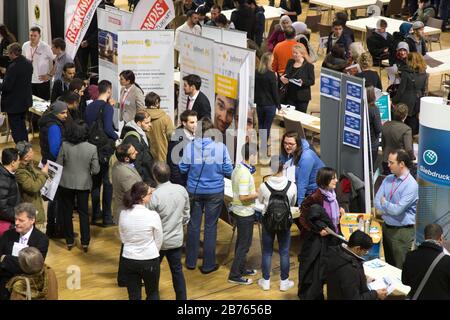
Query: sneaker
x=241, y=280
x=250, y=272
x=264, y=284
x=285, y=285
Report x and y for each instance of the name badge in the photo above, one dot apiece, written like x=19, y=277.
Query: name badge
x=17, y=248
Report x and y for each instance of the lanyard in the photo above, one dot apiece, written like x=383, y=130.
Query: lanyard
x=33, y=52
x=394, y=190
x=122, y=101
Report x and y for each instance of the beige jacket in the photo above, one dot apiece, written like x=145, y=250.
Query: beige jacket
x=131, y=101
x=159, y=134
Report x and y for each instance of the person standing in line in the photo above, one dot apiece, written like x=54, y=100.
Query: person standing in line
x=244, y=196
x=196, y=100
x=171, y=202
x=131, y=96
x=141, y=233
x=397, y=200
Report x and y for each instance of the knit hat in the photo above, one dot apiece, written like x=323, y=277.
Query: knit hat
x=418, y=25
x=300, y=27
x=57, y=107
x=403, y=45
x=405, y=28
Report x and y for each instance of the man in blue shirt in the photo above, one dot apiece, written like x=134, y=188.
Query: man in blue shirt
x=397, y=199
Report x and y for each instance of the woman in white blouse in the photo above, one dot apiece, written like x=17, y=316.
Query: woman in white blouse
x=142, y=236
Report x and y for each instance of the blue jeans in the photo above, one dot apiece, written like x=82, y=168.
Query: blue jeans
x=174, y=259
x=100, y=179
x=284, y=243
x=266, y=114
x=212, y=205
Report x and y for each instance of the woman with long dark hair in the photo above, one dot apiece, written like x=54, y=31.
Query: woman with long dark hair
x=80, y=161
x=301, y=164
x=131, y=96
x=141, y=233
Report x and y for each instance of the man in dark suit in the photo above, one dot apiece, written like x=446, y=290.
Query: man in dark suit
x=24, y=235
x=196, y=100
x=16, y=92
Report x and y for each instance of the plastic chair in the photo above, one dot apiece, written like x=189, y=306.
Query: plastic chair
x=312, y=22
x=395, y=8
x=324, y=31
x=434, y=38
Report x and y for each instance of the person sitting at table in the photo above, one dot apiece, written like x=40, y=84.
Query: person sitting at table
x=62, y=85
x=416, y=40
x=343, y=17
x=278, y=35
x=424, y=11
x=319, y=210
x=346, y=279
x=335, y=60
x=399, y=36
x=372, y=78
x=379, y=42
x=299, y=77
x=215, y=11
x=301, y=164
x=338, y=37
x=293, y=8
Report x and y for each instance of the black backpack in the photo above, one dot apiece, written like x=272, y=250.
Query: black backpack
x=98, y=137
x=278, y=215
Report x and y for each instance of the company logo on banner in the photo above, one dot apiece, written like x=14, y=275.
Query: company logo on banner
x=152, y=14
x=39, y=16
x=78, y=17
x=431, y=150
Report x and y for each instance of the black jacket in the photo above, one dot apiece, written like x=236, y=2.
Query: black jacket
x=416, y=265
x=59, y=88
x=413, y=86
x=375, y=126
x=397, y=37
x=295, y=6
x=334, y=63
x=377, y=44
x=178, y=141
x=313, y=257
x=47, y=120
x=344, y=40
x=266, y=89
x=16, y=86
x=412, y=45
x=304, y=73
x=244, y=19
x=345, y=277
x=9, y=194
x=372, y=78
x=144, y=159
x=202, y=106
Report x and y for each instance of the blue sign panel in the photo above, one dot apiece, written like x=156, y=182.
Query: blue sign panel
x=353, y=106
x=330, y=87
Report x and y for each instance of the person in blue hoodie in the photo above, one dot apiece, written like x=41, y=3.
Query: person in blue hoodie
x=206, y=163
x=301, y=164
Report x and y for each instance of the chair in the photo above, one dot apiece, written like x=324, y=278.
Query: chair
x=294, y=126
x=324, y=31
x=312, y=22
x=272, y=27
x=434, y=38
x=233, y=224
x=395, y=8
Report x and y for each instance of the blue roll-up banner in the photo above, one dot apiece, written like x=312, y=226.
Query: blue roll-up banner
x=433, y=167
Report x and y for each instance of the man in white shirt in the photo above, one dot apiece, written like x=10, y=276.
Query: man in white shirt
x=190, y=26
x=41, y=56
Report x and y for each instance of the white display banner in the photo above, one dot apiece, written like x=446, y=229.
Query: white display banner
x=110, y=21
x=78, y=17
x=213, y=33
x=196, y=57
x=150, y=55
x=234, y=75
x=152, y=14
x=234, y=38
x=39, y=16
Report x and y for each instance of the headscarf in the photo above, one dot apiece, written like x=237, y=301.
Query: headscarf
x=300, y=27
x=405, y=28
x=285, y=18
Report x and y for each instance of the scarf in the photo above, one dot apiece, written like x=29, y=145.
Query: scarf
x=38, y=284
x=139, y=130
x=331, y=206
x=383, y=34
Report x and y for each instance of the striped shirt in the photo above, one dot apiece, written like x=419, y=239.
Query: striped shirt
x=243, y=185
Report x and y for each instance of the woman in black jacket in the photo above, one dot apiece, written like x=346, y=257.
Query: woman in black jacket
x=374, y=123
x=413, y=86
x=293, y=8
x=266, y=93
x=299, y=77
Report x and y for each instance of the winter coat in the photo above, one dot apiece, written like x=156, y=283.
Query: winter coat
x=159, y=134
x=9, y=194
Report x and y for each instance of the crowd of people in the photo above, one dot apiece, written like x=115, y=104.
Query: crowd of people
x=154, y=181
